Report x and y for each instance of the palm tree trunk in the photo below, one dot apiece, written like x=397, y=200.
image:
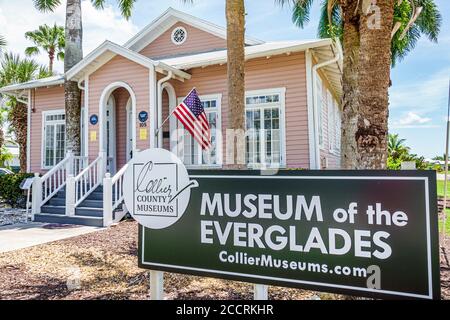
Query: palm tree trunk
x=18, y=120
x=73, y=55
x=374, y=79
x=235, y=15
x=51, y=58
x=350, y=102
x=366, y=78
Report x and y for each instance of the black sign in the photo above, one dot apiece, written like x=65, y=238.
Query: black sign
x=367, y=233
x=93, y=119
x=143, y=116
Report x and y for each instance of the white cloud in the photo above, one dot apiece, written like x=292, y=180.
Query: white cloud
x=412, y=120
x=98, y=26
x=430, y=93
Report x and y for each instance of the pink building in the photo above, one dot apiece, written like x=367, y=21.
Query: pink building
x=292, y=94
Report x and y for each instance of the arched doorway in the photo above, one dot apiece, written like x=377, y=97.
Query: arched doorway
x=117, y=128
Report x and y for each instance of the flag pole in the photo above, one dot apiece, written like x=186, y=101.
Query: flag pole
x=444, y=234
x=162, y=124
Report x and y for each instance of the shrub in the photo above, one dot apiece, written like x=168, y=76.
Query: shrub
x=10, y=191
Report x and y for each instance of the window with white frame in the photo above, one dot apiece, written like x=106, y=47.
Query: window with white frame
x=54, y=138
x=191, y=151
x=319, y=101
x=264, y=118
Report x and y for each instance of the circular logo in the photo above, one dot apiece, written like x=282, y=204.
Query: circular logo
x=143, y=116
x=157, y=188
x=93, y=119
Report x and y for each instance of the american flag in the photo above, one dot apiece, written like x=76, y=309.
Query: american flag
x=192, y=115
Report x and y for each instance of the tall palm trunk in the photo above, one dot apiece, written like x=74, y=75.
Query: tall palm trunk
x=374, y=79
x=367, y=63
x=235, y=14
x=73, y=55
x=18, y=120
x=51, y=59
x=350, y=102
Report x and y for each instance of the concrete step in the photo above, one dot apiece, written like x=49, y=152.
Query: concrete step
x=89, y=212
x=95, y=196
x=63, y=219
x=57, y=202
x=54, y=209
x=92, y=204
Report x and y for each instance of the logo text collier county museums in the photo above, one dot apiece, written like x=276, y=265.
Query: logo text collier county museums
x=160, y=188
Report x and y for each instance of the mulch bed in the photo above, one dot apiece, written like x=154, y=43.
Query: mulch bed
x=103, y=265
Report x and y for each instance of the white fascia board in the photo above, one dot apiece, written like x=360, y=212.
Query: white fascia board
x=77, y=71
x=49, y=82
x=221, y=56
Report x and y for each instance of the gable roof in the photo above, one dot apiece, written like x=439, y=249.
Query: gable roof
x=108, y=50
x=39, y=83
x=171, y=16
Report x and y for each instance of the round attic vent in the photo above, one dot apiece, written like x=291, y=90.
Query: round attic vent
x=179, y=35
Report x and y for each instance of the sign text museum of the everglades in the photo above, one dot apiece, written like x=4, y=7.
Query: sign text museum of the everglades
x=358, y=232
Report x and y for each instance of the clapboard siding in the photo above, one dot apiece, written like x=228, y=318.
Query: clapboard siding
x=275, y=72
x=197, y=41
x=119, y=69
x=43, y=99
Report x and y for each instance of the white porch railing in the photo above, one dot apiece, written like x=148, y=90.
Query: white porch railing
x=113, y=196
x=45, y=187
x=80, y=187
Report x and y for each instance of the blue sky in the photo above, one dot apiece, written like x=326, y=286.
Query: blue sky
x=419, y=89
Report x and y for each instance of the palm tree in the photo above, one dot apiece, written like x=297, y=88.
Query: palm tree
x=2, y=42
x=373, y=37
x=50, y=39
x=14, y=69
x=235, y=15
x=396, y=146
x=74, y=54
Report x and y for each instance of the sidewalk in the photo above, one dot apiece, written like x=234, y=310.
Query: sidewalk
x=21, y=236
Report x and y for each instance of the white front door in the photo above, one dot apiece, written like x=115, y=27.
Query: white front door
x=110, y=136
x=130, y=124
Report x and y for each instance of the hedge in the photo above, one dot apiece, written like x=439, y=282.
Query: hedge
x=10, y=191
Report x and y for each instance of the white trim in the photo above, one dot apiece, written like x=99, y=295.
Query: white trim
x=153, y=105
x=281, y=92
x=44, y=116
x=172, y=36
x=320, y=284
x=219, y=134
x=170, y=17
x=86, y=116
x=103, y=100
x=171, y=93
x=112, y=137
x=312, y=138
x=108, y=50
x=186, y=62
x=29, y=131
x=129, y=129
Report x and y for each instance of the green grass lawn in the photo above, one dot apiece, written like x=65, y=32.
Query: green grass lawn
x=440, y=188
x=448, y=223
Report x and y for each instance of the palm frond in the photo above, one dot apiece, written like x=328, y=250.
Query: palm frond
x=330, y=23
x=46, y=5
x=125, y=6
x=2, y=41
x=32, y=51
x=301, y=11
x=430, y=20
